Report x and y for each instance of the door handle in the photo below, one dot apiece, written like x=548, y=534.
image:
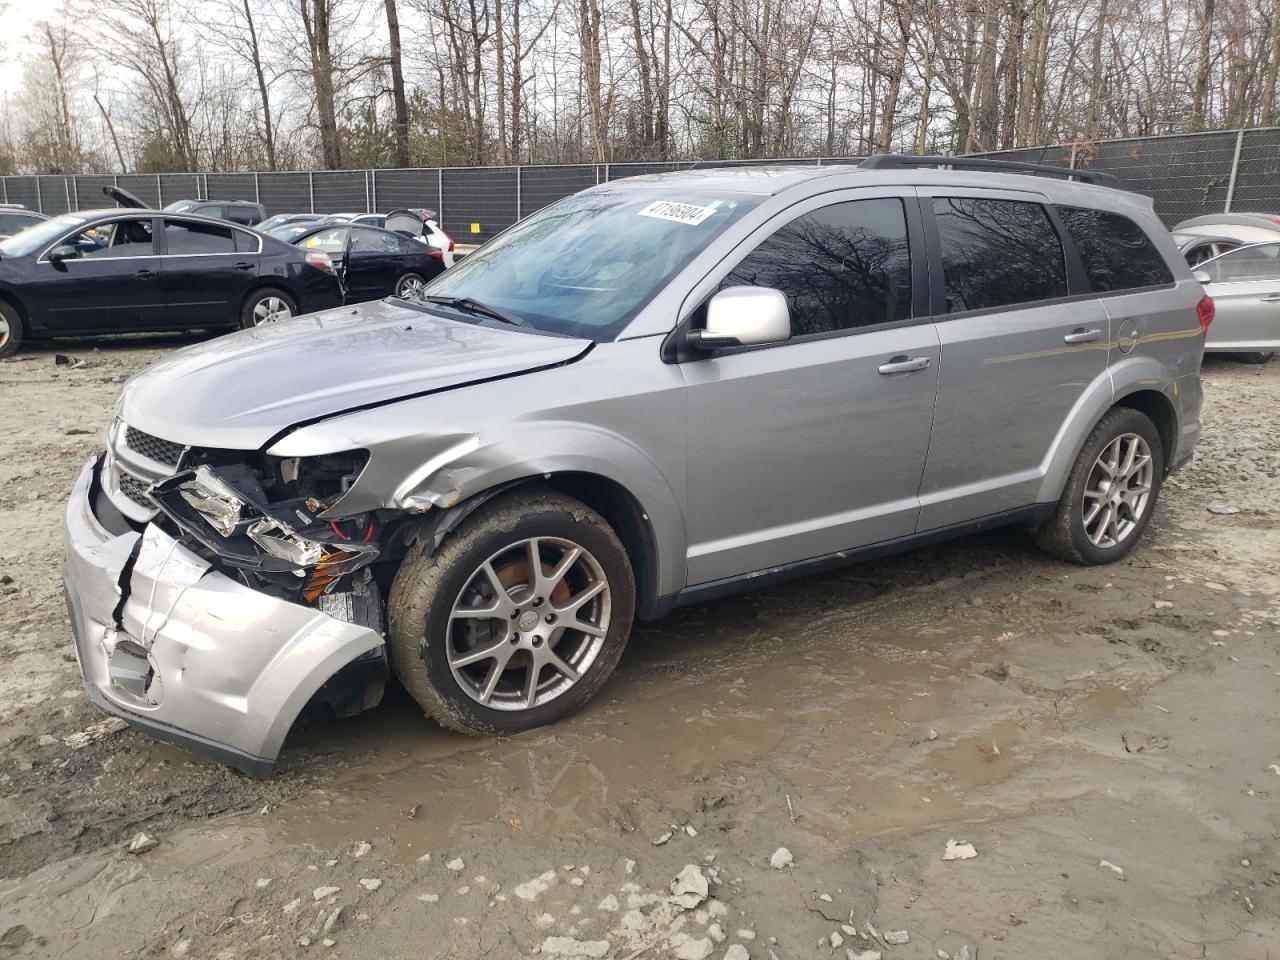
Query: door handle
x=1273, y=298
x=145, y=274
x=903, y=365
x=1081, y=335
x=243, y=265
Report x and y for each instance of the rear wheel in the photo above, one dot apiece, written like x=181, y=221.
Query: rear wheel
x=517, y=620
x=1111, y=492
x=10, y=330
x=1262, y=356
x=266, y=305
x=411, y=286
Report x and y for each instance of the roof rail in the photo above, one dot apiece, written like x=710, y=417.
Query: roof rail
x=902, y=161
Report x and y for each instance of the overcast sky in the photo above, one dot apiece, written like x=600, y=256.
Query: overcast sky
x=15, y=23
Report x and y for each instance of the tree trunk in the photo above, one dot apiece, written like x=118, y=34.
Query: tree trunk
x=255, y=53
x=316, y=28
x=398, y=101
x=1200, y=93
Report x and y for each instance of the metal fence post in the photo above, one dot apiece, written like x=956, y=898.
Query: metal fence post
x=257, y=189
x=311, y=189
x=66, y=190
x=440, y=194
x=4, y=189
x=1071, y=164
x=371, y=192
x=1235, y=169
x=519, y=170
x=75, y=191
x=39, y=196
x=159, y=191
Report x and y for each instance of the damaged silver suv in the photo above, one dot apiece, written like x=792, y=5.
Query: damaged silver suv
x=654, y=392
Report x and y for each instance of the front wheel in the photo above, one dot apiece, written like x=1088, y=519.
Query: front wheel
x=1111, y=492
x=267, y=305
x=411, y=286
x=517, y=620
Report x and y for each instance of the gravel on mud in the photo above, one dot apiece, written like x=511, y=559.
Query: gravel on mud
x=968, y=752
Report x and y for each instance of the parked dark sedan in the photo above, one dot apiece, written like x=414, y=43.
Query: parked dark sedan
x=373, y=263
x=15, y=219
x=117, y=271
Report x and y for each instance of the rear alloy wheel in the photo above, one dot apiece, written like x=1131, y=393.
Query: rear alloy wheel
x=411, y=286
x=10, y=330
x=268, y=305
x=1111, y=492
x=517, y=619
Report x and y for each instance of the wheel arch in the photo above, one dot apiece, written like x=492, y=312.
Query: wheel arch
x=1159, y=409
x=259, y=284
x=13, y=300
x=606, y=496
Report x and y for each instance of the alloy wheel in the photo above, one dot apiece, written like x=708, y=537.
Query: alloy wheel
x=528, y=624
x=1118, y=492
x=5, y=332
x=411, y=288
x=269, y=310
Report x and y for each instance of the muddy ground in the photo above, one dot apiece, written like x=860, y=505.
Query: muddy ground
x=1106, y=739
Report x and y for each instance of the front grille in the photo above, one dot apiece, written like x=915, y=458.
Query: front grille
x=161, y=451
x=134, y=488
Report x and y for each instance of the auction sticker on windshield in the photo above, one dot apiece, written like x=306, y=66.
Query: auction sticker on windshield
x=687, y=213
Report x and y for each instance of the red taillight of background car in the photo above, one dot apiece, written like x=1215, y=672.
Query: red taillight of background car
x=1204, y=312
x=435, y=254
x=320, y=260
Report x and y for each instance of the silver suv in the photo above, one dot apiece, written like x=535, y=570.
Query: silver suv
x=655, y=392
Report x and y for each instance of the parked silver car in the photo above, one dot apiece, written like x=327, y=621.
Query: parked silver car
x=655, y=392
x=1245, y=286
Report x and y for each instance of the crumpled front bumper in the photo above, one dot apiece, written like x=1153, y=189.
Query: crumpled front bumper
x=187, y=654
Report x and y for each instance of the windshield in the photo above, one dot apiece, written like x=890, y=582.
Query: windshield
x=37, y=237
x=181, y=206
x=587, y=265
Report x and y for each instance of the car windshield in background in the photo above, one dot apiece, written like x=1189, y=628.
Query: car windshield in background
x=33, y=238
x=181, y=206
x=585, y=266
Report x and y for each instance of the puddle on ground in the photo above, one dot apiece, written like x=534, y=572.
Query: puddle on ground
x=697, y=704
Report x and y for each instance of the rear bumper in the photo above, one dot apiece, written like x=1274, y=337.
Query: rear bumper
x=187, y=654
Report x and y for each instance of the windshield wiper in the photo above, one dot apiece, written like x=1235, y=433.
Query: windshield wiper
x=475, y=306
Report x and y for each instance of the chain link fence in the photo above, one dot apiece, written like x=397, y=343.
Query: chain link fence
x=1185, y=174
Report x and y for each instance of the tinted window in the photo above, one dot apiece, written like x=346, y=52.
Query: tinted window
x=997, y=252
x=846, y=265
x=373, y=241
x=245, y=242
x=186, y=239
x=1260, y=261
x=1117, y=254
x=242, y=214
x=13, y=222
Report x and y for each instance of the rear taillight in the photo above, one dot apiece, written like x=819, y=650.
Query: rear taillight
x=320, y=260
x=435, y=254
x=450, y=239
x=1204, y=312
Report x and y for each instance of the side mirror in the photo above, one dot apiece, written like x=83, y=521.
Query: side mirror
x=1202, y=276
x=744, y=317
x=63, y=251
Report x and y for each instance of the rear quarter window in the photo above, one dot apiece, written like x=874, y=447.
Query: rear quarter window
x=1116, y=252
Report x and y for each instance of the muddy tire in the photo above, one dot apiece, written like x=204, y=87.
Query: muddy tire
x=11, y=330
x=1110, y=493
x=266, y=305
x=487, y=646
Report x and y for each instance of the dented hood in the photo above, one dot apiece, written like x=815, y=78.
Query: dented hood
x=237, y=392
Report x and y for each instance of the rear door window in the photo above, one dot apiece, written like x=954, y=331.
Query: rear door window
x=997, y=253
x=1117, y=253
x=331, y=240
x=190, y=238
x=844, y=266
